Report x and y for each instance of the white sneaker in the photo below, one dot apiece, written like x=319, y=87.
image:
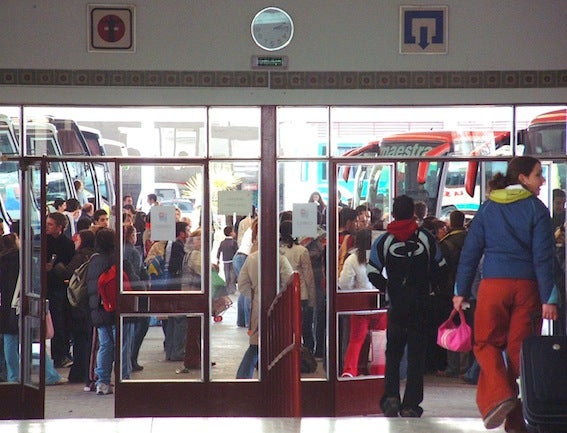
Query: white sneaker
x=103, y=389
x=60, y=381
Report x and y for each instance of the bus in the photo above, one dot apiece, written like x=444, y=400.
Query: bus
x=545, y=137
x=104, y=175
x=9, y=173
x=41, y=139
x=443, y=186
x=72, y=142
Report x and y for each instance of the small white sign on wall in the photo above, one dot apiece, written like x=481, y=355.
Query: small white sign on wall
x=235, y=202
x=162, y=220
x=304, y=222
x=423, y=29
x=111, y=28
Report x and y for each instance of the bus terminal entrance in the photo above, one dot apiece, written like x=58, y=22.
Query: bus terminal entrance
x=228, y=167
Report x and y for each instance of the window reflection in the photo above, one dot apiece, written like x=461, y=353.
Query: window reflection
x=162, y=347
x=303, y=216
x=234, y=132
x=362, y=344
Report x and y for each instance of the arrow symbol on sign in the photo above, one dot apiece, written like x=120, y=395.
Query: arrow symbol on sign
x=423, y=37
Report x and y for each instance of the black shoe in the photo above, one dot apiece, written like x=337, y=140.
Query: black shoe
x=65, y=363
x=410, y=412
x=391, y=407
x=137, y=367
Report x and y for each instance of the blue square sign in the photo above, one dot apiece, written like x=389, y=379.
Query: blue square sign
x=423, y=29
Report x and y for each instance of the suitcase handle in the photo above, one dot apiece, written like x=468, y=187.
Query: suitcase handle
x=553, y=327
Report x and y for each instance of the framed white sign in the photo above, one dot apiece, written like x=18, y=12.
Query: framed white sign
x=304, y=222
x=162, y=220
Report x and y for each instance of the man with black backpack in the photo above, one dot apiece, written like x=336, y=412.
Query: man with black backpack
x=411, y=258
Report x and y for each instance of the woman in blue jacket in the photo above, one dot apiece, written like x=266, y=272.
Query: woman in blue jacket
x=513, y=231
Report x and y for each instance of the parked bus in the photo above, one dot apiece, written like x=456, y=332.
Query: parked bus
x=104, y=175
x=41, y=139
x=72, y=142
x=545, y=135
x=9, y=173
x=444, y=186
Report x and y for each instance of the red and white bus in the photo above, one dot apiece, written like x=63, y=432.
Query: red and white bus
x=443, y=185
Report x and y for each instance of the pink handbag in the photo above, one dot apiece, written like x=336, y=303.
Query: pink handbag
x=49, y=330
x=453, y=337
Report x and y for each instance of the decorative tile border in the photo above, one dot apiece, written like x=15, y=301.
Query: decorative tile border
x=314, y=80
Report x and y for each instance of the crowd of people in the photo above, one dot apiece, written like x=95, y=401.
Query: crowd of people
x=502, y=268
x=84, y=335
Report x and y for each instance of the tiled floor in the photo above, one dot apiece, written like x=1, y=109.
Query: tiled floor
x=249, y=425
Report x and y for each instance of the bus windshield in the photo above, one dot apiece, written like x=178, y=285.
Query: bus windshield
x=546, y=139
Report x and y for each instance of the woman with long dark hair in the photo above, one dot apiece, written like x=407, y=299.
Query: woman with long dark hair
x=316, y=198
x=513, y=232
x=353, y=277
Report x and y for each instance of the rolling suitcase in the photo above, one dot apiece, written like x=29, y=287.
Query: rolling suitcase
x=543, y=383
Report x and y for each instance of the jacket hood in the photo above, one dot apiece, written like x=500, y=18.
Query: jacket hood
x=510, y=195
x=402, y=229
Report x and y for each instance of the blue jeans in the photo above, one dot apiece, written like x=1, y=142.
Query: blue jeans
x=3, y=371
x=140, y=330
x=105, y=355
x=127, y=342
x=12, y=357
x=244, y=307
x=471, y=376
x=51, y=375
x=248, y=363
x=237, y=263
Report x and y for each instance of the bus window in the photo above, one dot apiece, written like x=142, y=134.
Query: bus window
x=9, y=172
x=408, y=183
x=546, y=134
x=41, y=141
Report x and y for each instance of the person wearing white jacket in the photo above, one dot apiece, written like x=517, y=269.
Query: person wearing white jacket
x=354, y=277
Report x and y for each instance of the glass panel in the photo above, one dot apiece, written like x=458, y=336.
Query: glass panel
x=41, y=139
x=234, y=201
x=33, y=231
x=32, y=350
x=144, y=341
x=180, y=187
x=163, y=195
x=234, y=132
x=303, y=222
x=361, y=344
x=168, y=132
x=478, y=130
x=541, y=130
x=367, y=185
x=303, y=132
x=10, y=193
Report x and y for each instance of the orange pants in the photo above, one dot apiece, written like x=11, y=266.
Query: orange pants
x=503, y=318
